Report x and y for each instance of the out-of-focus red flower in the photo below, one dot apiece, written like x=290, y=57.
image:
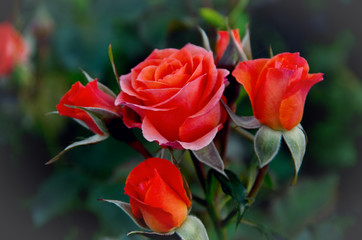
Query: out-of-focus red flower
x=157, y=194
x=277, y=88
x=88, y=96
x=13, y=48
x=174, y=97
x=223, y=41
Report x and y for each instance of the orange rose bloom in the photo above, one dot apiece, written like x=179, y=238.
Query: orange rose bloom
x=13, y=48
x=277, y=88
x=157, y=194
x=174, y=97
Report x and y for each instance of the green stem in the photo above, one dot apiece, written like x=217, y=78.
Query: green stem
x=258, y=182
x=244, y=133
x=199, y=171
x=220, y=231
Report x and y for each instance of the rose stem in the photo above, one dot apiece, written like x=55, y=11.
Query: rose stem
x=244, y=133
x=258, y=182
x=199, y=171
x=220, y=231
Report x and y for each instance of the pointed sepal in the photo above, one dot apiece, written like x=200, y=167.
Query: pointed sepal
x=248, y=122
x=91, y=140
x=101, y=86
x=211, y=157
x=245, y=43
x=94, y=116
x=156, y=236
x=266, y=144
x=192, y=229
x=111, y=59
x=205, y=39
x=296, y=141
x=126, y=207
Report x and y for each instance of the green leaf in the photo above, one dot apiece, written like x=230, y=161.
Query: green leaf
x=266, y=144
x=233, y=187
x=91, y=140
x=192, y=229
x=296, y=141
x=213, y=17
x=211, y=157
x=126, y=207
x=249, y=122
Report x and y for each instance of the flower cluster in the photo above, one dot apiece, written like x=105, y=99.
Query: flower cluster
x=178, y=98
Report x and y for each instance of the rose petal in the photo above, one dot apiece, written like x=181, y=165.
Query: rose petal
x=247, y=74
x=291, y=108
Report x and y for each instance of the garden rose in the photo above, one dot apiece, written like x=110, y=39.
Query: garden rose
x=157, y=194
x=88, y=96
x=223, y=41
x=277, y=88
x=174, y=97
x=13, y=48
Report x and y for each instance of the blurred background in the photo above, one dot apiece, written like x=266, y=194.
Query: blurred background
x=60, y=201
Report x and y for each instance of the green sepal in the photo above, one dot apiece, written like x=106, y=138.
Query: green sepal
x=94, y=116
x=91, y=140
x=205, y=39
x=211, y=157
x=192, y=229
x=111, y=59
x=245, y=43
x=156, y=236
x=296, y=141
x=248, y=122
x=101, y=86
x=126, y=207
x=266, y=144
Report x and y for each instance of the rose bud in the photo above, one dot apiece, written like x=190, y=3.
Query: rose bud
x=277, y=88
x=89, y=96
x=157, y=194
x=174, y=97
x=13, y=48
x=222, y=43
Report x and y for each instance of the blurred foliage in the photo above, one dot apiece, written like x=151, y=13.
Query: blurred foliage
x=68, y=35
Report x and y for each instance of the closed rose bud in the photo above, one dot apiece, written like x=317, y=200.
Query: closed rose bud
x=13, y=48
x=157, y=194
x=223, y=41
x=88, y=96
x=277, y=88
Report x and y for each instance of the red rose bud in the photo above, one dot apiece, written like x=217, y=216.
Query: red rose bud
x=13, y=48
x=277, y=88
x=88, y=96
x=174, y=97
x=157, y=194
x=223, y=42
